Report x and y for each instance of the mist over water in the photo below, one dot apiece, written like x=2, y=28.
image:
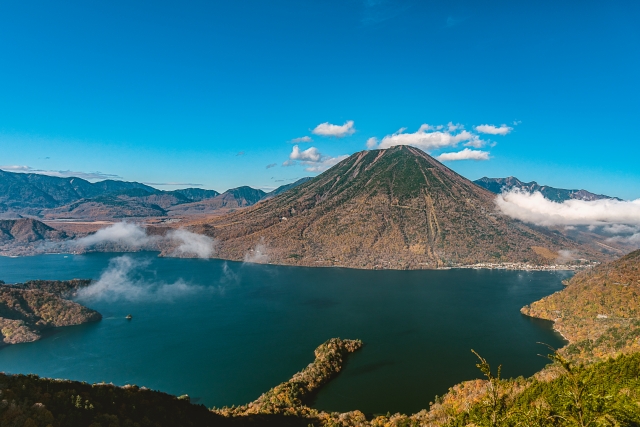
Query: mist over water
x=124, y=280
x=225, y=332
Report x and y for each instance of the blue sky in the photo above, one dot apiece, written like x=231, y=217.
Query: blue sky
x=211, y=93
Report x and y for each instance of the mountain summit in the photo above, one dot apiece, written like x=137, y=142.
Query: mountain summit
x=393, y=208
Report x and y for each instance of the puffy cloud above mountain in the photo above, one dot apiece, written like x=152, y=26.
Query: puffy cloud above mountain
x=465, y=154
x=301, y=139
x=309, y=155
x=338, y=131
x=428, y=138
x=494, y=130
x=312, y=158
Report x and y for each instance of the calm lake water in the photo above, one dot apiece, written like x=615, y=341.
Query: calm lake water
x=225, y=332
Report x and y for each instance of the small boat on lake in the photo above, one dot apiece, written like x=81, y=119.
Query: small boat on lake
x=129, y=317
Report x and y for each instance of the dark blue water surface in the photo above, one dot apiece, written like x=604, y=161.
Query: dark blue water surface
x=224, y=332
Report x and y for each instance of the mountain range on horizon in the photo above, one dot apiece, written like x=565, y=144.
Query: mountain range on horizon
x=499, y=185
x=47, y=197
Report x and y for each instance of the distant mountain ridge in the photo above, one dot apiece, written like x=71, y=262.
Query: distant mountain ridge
x=286, y=187
x=50, y=197
x=231, y=199
x=393, y=208
x=498, y=185
x=27, y=230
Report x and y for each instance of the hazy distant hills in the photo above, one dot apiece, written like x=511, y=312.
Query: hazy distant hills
x=498, y=185
x=27, y=230
x=286, y=187
x=230, y=199
x=394, y=208
x=50, y=197
x=29, y=193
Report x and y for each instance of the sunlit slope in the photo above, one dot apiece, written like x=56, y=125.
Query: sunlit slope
x=394, y=208
x=598, y=311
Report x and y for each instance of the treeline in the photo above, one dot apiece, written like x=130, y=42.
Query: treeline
x=30, y=401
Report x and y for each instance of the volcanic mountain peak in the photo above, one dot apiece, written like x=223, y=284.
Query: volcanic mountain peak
x=393, y=208
x=402, y=174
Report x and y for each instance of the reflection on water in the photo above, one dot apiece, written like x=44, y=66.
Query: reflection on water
x=226, y=332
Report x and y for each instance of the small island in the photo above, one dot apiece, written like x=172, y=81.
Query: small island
x=27, y=309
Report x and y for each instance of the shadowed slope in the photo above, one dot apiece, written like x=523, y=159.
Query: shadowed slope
x=394, y=208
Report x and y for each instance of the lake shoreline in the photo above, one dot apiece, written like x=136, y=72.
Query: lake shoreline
x=512, y=266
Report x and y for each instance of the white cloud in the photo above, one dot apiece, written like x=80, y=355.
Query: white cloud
x=452, y=128
x=301, y=139
x=494, y=130
x=310, y=154
x=534, y=208
x=465, y=154
x=619, y=229
x=327, y=129
x=15, y=168
x=372, y=143
x=58, y=173
x=120, y=281
x=121, y=233
x=429, y=138
x=191, y=244
x=127, y=236
x=259, y=254
x=325, y=163
x=312, y=159
x=476, y=142
x=632, y=240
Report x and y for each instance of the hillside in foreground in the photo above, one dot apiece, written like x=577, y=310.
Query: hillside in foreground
x=598, y=311
x=395, y=208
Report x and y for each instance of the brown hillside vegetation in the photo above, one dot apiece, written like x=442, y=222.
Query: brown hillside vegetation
x=27, y=230
x=395, y=208
x=29, y=308
x=598, y=311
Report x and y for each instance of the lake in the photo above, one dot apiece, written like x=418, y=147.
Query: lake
x=225, y=332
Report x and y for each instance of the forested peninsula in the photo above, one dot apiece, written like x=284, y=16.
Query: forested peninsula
x=27, y=309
